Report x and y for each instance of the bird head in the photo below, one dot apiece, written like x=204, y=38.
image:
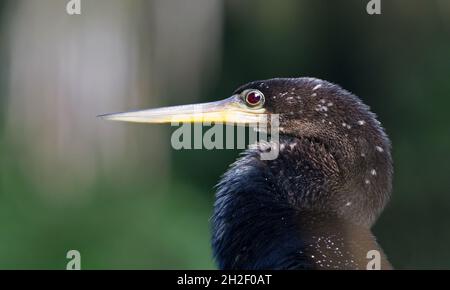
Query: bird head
x=310, y=109
x=350, y=146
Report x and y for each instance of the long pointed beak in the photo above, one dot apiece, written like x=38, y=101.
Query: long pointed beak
x=231, y=110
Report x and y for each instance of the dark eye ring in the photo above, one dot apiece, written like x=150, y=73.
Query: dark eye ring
x=254, y=98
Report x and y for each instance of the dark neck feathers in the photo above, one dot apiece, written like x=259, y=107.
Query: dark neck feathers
x=294, y=212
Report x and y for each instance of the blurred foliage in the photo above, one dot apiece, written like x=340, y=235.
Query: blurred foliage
x=397, y=62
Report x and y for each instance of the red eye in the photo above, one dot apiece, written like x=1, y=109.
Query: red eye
x=254, y=98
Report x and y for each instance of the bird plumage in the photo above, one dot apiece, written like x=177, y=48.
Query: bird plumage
x=313, y=206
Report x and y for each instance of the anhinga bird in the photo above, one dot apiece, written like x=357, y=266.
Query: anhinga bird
x=313, y=206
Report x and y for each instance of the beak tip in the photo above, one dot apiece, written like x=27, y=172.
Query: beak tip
x=107, y=117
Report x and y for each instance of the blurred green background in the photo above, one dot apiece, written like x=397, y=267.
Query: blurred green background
x=122, y=196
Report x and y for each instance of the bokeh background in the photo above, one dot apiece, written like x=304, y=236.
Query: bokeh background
x=122, y=196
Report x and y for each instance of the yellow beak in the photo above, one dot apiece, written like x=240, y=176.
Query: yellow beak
x=230, y=110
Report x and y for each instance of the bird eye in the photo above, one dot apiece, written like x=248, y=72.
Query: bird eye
x=254, y=98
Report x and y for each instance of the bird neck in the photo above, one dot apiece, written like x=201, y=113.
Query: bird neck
x=272, y=215
x=269, y=236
